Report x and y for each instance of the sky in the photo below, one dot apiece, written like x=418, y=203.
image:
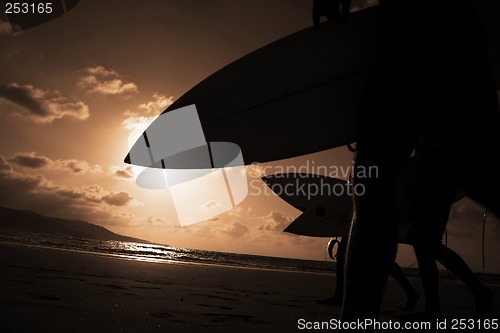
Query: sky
x=73, y=89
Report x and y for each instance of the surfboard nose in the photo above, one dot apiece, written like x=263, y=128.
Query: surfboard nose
x=127, y=159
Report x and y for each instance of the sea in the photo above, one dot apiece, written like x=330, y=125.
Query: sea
x=163, y=253
x=150, y=252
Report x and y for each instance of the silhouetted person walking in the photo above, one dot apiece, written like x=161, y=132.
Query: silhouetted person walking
x=412, y=296
x=431, y=193
x=432, y=75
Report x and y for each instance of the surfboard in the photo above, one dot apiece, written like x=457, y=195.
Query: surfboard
x=326, y=212
x=292, y=97
x=298, y=95
x=325, y=202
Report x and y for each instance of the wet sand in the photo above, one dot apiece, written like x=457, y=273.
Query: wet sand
x=50, y=290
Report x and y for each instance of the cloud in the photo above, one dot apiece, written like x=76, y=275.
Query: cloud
x=34, y=192
x=155, y=221
x=30, y=160
x=210, y=204
x=33, y=161
x=157, y=105
x=104, y=81
x=137, y=122
x=235, y=229
x=146, y=112
x=40, y=105
x=13, y=183
x=117, y=198
x=89, y=193
x=275, y=221
x=4, y=166
x=236, y=212
x=77, y=166
x=121, y=173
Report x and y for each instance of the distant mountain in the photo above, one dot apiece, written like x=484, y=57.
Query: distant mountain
x=27, y=221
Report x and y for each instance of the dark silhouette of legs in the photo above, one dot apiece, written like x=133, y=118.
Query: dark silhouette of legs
x=336, y=300
x=483, y=295
x=427, y=254
x=412, y=296
x=386, y=137
x=340, y=275
x=428, y=228
x=421, y=84
x=430, y=278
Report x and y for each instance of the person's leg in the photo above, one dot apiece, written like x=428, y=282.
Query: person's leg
x=475, y=150
x=385, y=141
x=337, y=298
x=429, y=250
x=389, y=123
x=428, y=227
x=371, y=250
x=340, y=273
x=412, y=295
x=426, y=257
x=483, y=295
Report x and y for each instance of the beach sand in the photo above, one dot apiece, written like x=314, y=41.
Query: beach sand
x=50, y=290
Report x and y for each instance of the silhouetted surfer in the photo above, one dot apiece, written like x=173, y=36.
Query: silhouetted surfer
x=412, y=295
x=331, y=10
x=431, y=192
x=432, y=75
